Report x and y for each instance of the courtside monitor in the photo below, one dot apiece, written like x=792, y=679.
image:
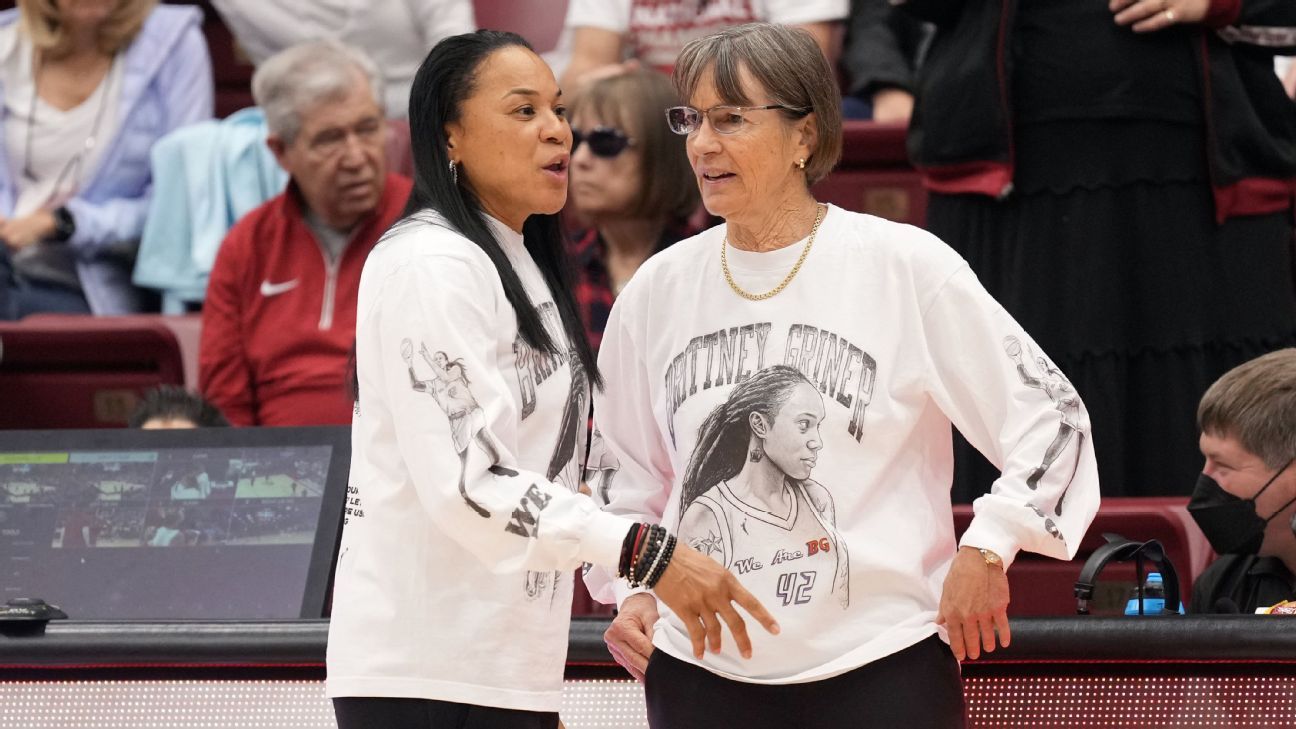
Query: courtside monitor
x=211, y=523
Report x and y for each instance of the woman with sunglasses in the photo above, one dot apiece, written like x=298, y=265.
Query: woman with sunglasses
x=463, y=526
x=630, y=182
x=88, y=86
x=894, y=340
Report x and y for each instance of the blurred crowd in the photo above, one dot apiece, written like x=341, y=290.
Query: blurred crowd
x=1120, y=176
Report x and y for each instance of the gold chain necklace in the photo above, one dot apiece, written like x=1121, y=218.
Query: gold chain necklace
x=724, y=262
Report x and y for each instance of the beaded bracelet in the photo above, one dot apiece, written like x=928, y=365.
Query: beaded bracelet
x=659, y=565
x=628, y=547
x=652, y=549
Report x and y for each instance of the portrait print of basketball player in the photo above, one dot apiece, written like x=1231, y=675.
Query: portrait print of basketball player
x=1053, y=383
x=564, y=465
x=748, y=499
x=449, y=387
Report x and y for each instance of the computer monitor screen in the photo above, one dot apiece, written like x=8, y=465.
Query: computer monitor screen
x=212, y=523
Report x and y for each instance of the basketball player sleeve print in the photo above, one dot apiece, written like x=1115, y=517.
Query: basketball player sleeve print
x=1012, y=403
x=459, y=407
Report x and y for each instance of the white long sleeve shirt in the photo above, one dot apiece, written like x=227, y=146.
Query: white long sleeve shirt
x=397, y=34
x=655, y=32
x=831, y=504
x=454, y=581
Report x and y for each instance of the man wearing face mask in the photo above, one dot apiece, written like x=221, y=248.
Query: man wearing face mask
x=1246, y=495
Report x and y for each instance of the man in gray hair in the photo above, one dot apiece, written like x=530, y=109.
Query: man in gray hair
x=279, y=317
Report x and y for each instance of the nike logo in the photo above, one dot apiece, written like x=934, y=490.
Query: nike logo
x=274, y=289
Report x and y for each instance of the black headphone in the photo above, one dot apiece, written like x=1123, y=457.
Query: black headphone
x=1120, y=549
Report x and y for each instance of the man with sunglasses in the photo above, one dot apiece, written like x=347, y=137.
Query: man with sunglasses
x=1246, y=495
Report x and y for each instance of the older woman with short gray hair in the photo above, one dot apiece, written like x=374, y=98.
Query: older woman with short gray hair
x=780, y=390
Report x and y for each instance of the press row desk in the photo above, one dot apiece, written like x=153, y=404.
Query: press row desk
x=1059, y=672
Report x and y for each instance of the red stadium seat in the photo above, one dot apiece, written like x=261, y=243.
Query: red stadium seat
x=400, y=157
x=82, y=372
x=585, y=606
x=874, y=175
x=541, y=23
x=187, y=329
x=231, y=69
x=1042, y=586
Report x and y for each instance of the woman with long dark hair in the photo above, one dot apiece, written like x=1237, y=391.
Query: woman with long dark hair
x=450, y=607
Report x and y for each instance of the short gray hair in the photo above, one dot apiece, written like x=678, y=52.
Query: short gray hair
x=298, y=77
x=1255, y=403
x=787, y=63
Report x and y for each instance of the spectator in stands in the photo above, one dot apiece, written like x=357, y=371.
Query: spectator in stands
x=797, y=339
x=81, y=524
x=630, y=181
x=394, y=33
x=1246, y=493
x=172, y=407
x=168, y=533
x=606, y=33
x=880, y=58
x=448, y=609
x=279, y=318
x=1121, y=176
x=87, y=88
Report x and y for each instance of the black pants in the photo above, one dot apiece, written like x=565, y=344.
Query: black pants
x=917, y=688
x=384, y=713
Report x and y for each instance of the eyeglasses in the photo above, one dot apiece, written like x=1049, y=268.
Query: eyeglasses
x=333, y=141
x=725, y=119
x=606, y=142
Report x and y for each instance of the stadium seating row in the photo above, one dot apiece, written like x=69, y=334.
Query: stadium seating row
x=85, y=372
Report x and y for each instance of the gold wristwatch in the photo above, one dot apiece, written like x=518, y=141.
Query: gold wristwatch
x=991, y=558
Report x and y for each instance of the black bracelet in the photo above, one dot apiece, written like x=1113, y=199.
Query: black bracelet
x=627, y=549
x=653, y=543
x=659, y=569
x=640, y=566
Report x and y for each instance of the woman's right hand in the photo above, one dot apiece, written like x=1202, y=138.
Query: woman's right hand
x=629, y=637
x=697, y=589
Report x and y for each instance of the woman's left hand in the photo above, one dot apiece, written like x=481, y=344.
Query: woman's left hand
x=19, y=233
x=1151, y=15
x=974, y=605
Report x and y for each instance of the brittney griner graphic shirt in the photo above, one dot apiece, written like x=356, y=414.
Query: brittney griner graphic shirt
x=454, y=578
x=804, y=441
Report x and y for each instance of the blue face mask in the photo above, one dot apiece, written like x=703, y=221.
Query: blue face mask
x=1231, y=524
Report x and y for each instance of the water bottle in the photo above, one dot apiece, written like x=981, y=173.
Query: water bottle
x=1153, y=596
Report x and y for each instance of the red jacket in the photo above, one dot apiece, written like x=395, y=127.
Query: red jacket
x=279, y=320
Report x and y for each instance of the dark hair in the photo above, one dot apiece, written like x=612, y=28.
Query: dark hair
x=174, y=402
x=722, y=440
x=445, y=79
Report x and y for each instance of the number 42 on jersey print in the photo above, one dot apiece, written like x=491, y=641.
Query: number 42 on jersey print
x=794, y=587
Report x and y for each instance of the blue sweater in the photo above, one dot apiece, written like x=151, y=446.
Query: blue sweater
x=166, y=84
